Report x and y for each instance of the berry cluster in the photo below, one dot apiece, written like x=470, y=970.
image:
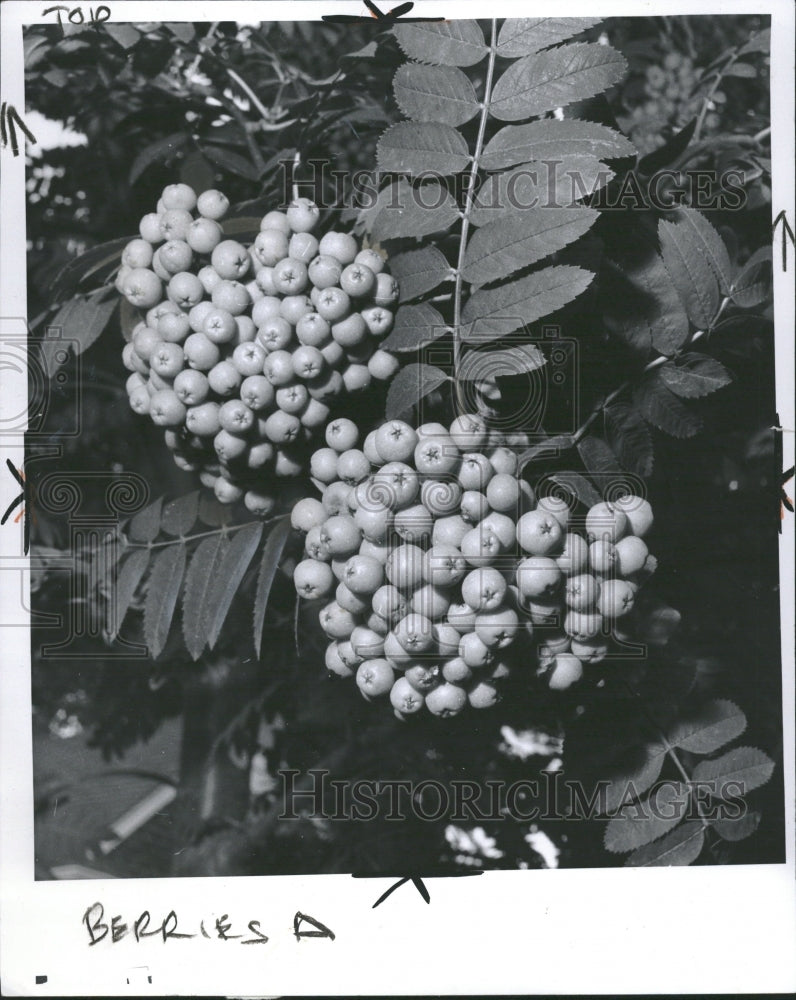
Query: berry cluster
x=243, y=348
x=447, y=571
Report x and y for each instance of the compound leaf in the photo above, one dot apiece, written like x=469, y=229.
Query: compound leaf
x=231, y=571
x=131, y=572
x=578, y=486
x=633, y=774
x=419, y=271
x=510, y=307
x=712, y=245
x=693, y=375
x=663, y=409
x=680, y=847
x=737, y=829
x=629, y=438
x=161, y=149
x=145, y=525
x=745, y=768
x=165, y=581
x=410, y=385
x=639, y=823
x=508, y=244
x=415, y=326
x=753, y=285
x=718, y=722
x=690, y=271
x=552, y=79
x=435, y=94
x=597, y=456
x=511, y=362
x=414, y=210
x=551, y=139
x=422, y=147
x=522, y=36
x=452, y=43
x=272, y=554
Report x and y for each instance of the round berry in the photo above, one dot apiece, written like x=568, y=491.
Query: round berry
x=204, y=235
x=303, y=215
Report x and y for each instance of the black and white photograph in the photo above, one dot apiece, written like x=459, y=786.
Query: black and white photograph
x=404, y=481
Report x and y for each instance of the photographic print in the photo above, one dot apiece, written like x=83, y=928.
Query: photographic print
x=404, y=480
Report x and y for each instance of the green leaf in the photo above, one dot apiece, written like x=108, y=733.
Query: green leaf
x=746, y=767
x=183, y=30
x=513, y=361
x=759, y=42
x=161, y=149
x=712, y=245
x=81, y=321
x=551, y=139
x=415, y=211
x=693, y=375
x=231, y=162
x=435, y=94
x=131, y=572
x=656, y=624
x=690, y=271
x=145, y=525
x=212, y=512
x=123, y=34
x=753, y=285
x=415, y=326
x=737, y=829
x=422, y=147
x=410, y=385
x=717, y=722
x=522, y=36
x=552, y=79
x=550, y=447
x=129, y=318
x=532, y=185
x=634, y=773
x=669, y=152
x=640, y=823
x=597, y=456
x=196, y=612
x=272, y=554
x=179, y=515
x=629, y=438
x=508, y=244
x=231, y=571
x=87, y=264
x=743, y=70
x=452, y=43
x=680, y=847
x=419, y=271
x=578, y=486
x=510, y=307
x=661, y=408
x=165, y=581
x=242, y=227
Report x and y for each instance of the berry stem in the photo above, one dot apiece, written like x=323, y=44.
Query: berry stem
x=226, y=529
x=468, y=203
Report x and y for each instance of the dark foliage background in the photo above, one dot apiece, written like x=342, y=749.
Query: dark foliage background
x=223, y=105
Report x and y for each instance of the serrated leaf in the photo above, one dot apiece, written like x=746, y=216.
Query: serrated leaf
x=233, y=163
x=694, y=375
x=83, y=267
x=661, y=408
x=415, y=211
x=410, y=385
x=161, y=149
x=533, y=185
x=508, y=244
x=669, y=152
x=680, y=847
x=422, y=147
x=597, y=456
x=549, y=448
x=734, y=830
x=509, y=363
x=690, y=271
x=131, y=572
x=744, y=768
x=212, y=512
x=180, y=515
x=196, y=614
x=551, y=139
x=272, y=554
x=231, y=571
x=79, y=322
x=633, y=774
x=718, y=722
x=419, y=271
x=713, y=248
x=510, y=307
x=415, y=326
x=641, y=823
x=165, y=581
x=753, y=285
x=552, y=79
x=145, y=525
x=452, y=43
x=578, y=486
x=629, y=438
x=522, y=36
x=435, y=94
